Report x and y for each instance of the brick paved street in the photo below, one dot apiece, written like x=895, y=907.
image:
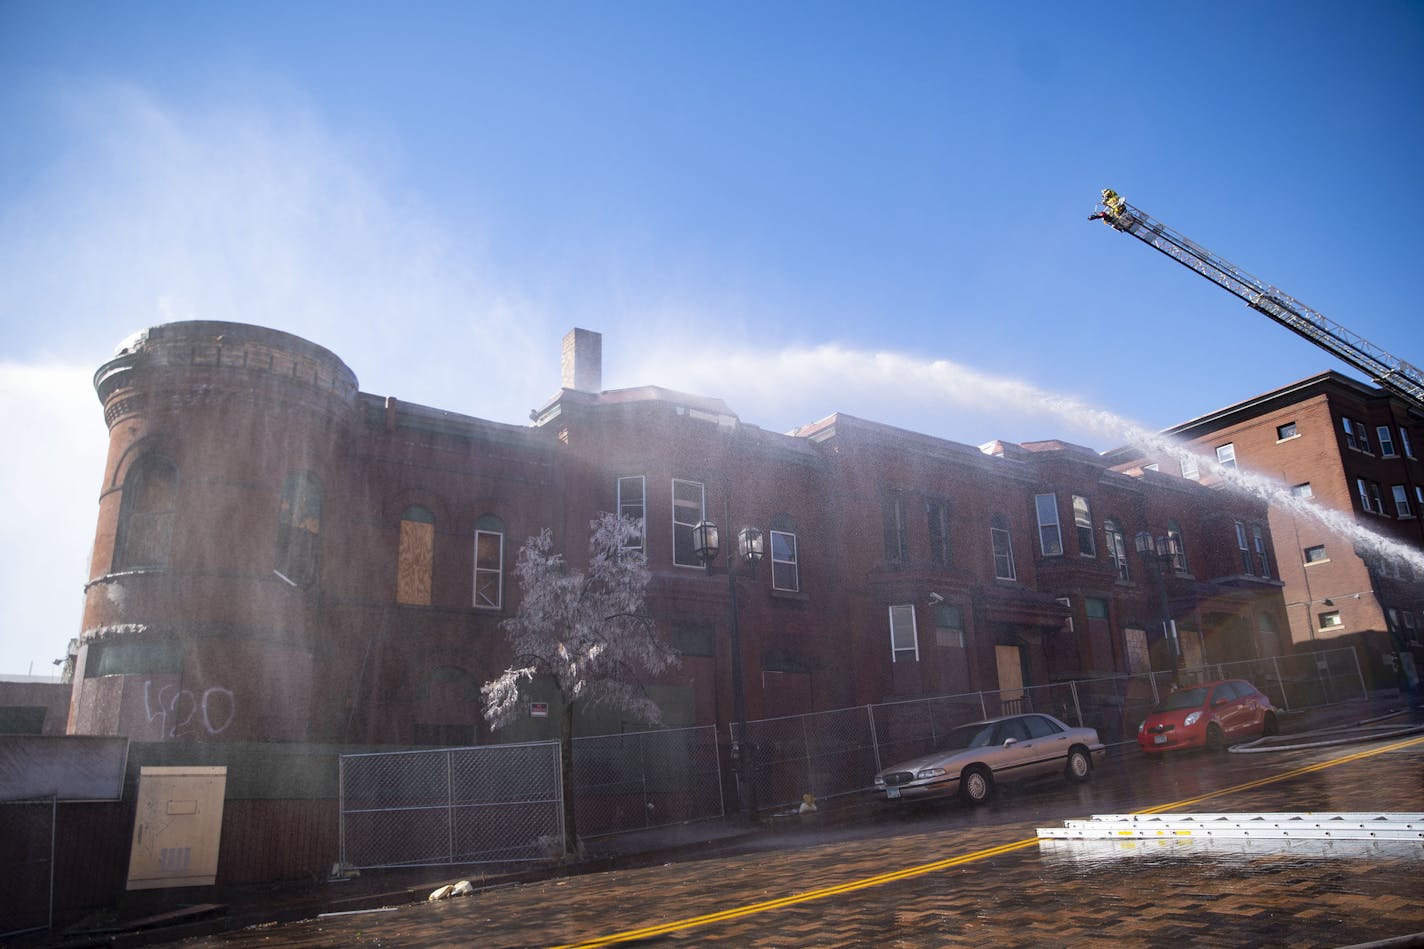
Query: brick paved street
x=1224, y=894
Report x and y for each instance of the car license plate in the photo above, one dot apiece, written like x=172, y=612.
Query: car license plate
x=892, y=792
x=1159, y=739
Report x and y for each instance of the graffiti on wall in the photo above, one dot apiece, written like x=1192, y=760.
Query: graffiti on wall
x=184, y=713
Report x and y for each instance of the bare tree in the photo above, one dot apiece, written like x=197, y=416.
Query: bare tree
x=585, y=632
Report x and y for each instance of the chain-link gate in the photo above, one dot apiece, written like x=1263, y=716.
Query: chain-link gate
x=640, y=780
x=491, y=804
x=27, y=832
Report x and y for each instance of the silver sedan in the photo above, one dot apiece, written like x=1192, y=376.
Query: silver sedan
x=974, y=757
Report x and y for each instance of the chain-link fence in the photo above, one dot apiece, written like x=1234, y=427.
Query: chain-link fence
x=27, y=830
x=1299, y=681
x=824, y=754
x=648, y=779
x=835, y=753
x=492, y=804
x=503, y=802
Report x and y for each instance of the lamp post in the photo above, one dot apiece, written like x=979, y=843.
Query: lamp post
x=750, y=549
x=1158, y=552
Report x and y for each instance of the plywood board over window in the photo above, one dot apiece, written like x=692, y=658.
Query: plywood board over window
x=416, y=560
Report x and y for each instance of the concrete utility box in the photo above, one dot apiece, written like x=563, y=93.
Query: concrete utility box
x=177, y=828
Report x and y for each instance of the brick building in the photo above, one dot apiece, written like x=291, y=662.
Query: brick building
x=280, y=556
x=1349, y=446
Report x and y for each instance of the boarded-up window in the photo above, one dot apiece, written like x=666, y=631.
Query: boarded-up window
x=146, y=514
x=1138, y=658
x=415, y=562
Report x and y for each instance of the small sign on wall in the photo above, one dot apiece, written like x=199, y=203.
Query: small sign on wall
x=538, y=709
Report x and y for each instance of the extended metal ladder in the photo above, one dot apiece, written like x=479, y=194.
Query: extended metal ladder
x=1297, y=826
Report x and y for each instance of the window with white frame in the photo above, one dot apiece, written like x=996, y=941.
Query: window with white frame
x=1050, y=537
x=785, y=574
x=1003, y=547
x=949, y=626
x=1302, y=490
x=1243, y=547
x=1330, y=620
x=1083, y=520
x=1316, y=554
x=1288, y=430
x=904, y=643
x=1189, y=467
x=1258, y=544
x=1226, y=455
x=1386, y=440
x=689, y=508
x=632, y=503
x=489, y=562
x=1117, y=548
x=1404, y=442
x=1152, y=467
x=1067, y=603
x=1401, y=501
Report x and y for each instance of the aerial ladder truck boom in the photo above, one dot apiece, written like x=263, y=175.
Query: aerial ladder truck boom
x=1399, y=377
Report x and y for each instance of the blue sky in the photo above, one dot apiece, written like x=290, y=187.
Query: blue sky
x=751, y=201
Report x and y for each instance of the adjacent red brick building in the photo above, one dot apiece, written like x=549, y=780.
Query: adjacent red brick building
x=1351, y=447
x=280, y=556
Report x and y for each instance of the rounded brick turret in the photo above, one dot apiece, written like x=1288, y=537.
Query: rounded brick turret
x=205, y=587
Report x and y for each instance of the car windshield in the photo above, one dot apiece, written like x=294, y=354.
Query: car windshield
x=968, y=736
x=1185, y=698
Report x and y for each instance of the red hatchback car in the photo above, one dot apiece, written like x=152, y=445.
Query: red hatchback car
x=1210, y=715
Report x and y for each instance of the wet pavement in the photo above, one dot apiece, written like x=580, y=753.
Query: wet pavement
x=946, y=875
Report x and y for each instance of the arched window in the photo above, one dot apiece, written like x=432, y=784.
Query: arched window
x=785, y=572
x=145, y=535
x=415, y=561
x=299, y=528
x=489, y=562
x=1117, y=548
x=1003, y=547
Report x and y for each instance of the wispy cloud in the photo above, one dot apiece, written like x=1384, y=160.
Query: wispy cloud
x=150, y=213
x=53, y=431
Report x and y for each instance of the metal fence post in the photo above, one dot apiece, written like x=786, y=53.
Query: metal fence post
x=1364, y=690
x=450, y=806
x=1280, y=683
x=1078, y=709
x=341, y=808
x=983, y=709
x=874, y=736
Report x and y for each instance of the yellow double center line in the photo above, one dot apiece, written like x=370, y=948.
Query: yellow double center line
x=865, y=883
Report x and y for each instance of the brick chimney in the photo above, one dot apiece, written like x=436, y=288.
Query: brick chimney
x=582, y=361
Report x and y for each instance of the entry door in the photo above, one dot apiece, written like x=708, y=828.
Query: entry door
x=1011, y=693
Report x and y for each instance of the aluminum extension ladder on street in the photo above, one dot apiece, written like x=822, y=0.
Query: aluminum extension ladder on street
x=1298, y=826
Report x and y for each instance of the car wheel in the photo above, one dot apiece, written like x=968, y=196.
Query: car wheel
x=1270, y=726
x=1215, y=737
x=976, y=784
x=1079, y=765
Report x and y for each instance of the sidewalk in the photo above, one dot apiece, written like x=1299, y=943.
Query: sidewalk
x=146, y=922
